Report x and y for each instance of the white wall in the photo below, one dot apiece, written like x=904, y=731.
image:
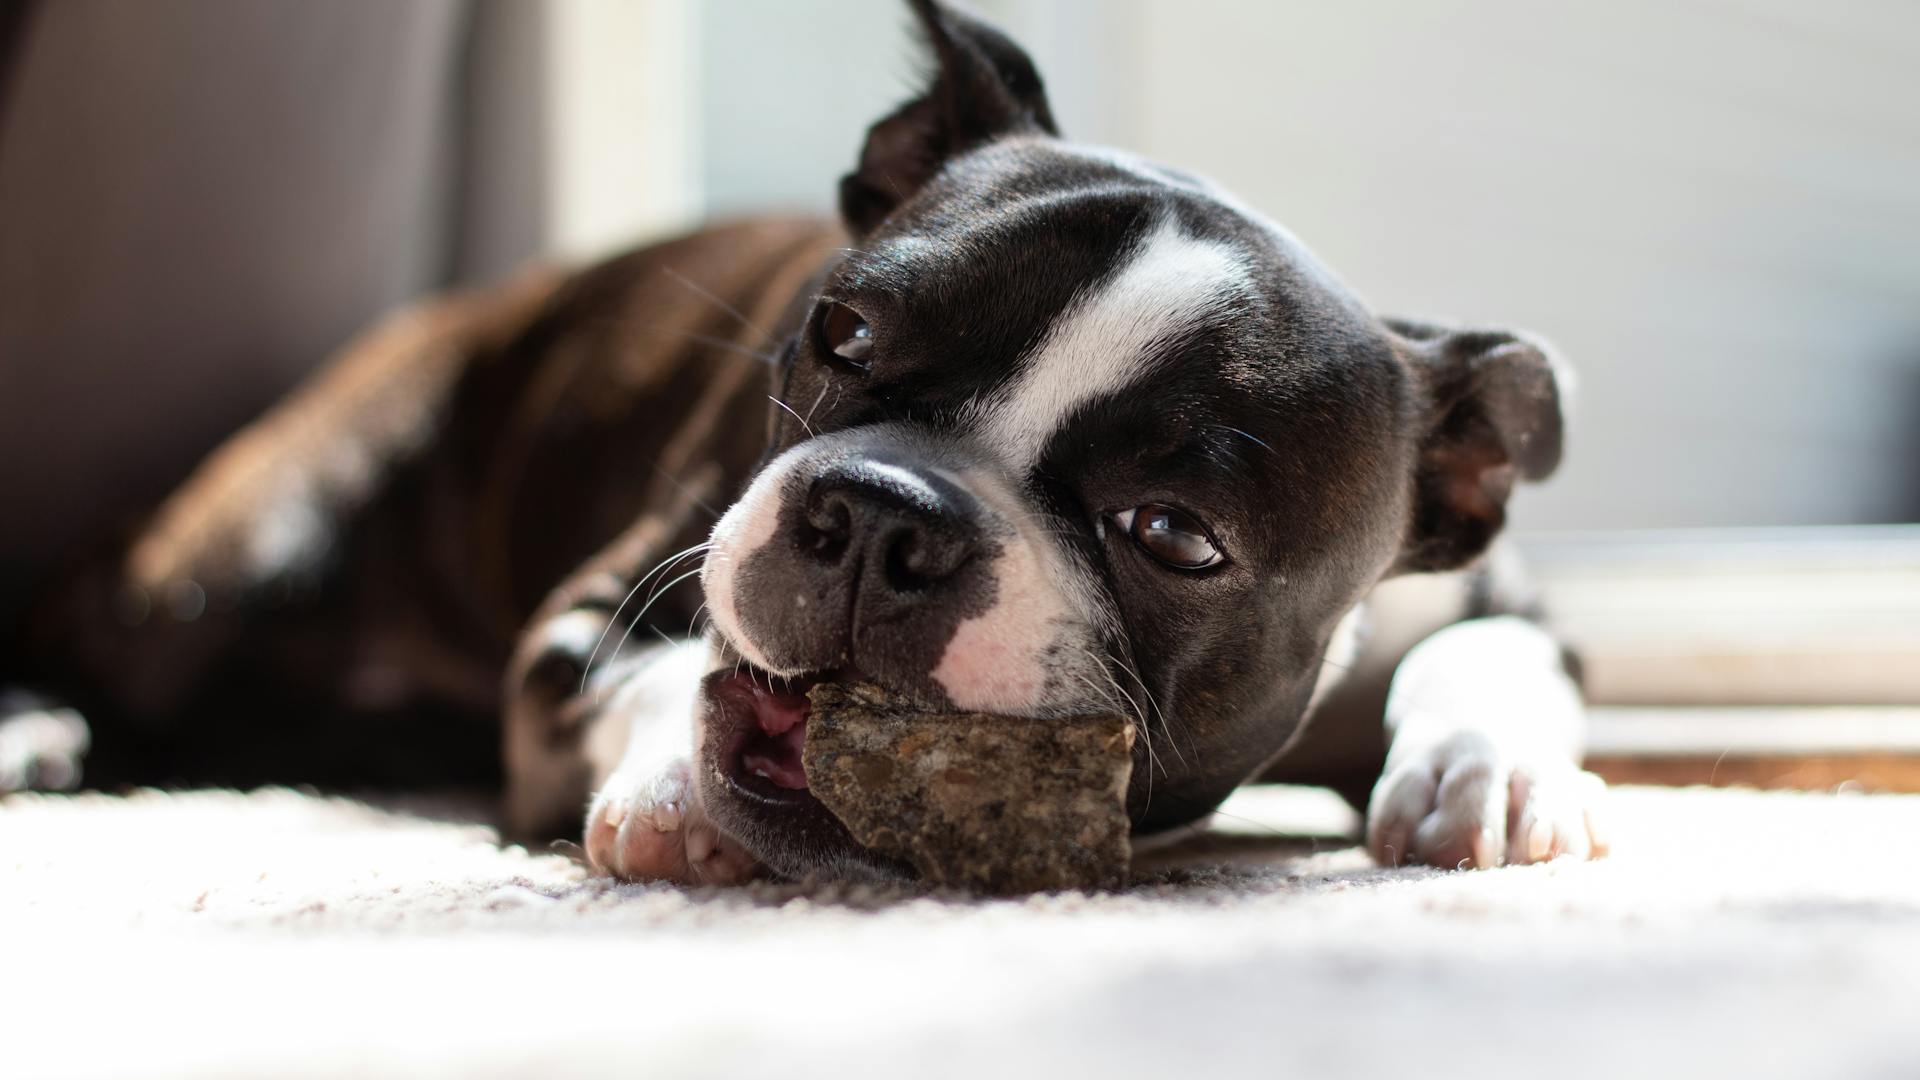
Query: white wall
x=1712, y=206
x=785, y=90
x=623, y=133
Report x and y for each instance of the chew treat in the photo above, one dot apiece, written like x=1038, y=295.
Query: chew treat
x=994, y=804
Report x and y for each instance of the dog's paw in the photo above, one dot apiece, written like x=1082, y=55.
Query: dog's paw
x=41, y=744
x=1461, y=804
x=650, y=827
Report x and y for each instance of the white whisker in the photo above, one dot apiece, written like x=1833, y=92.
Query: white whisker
x=1146, y=735
x=667, y=563
x=816, y=404
x=771, y=359
x=716, y=302
x=1250, y=438
x=684, y=490
x=651, y=600
x=790, y=412
x=1165, y=725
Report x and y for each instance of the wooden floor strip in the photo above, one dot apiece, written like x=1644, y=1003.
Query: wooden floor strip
x=1818, y=749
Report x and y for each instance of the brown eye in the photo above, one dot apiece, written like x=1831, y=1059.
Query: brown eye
x=1171, y=535
x=845, y=334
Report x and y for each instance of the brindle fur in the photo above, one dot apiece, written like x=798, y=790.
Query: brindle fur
x=369, y=550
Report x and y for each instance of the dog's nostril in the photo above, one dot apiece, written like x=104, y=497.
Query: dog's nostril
x=820, y=543
x=826, y=530
x=917, y=558
x=907, y=564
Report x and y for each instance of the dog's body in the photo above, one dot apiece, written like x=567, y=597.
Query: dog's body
x=1053, y=430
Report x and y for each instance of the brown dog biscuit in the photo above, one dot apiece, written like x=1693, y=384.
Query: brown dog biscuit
x=992, y=804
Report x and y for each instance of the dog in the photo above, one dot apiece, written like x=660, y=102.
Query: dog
x=1034, y=429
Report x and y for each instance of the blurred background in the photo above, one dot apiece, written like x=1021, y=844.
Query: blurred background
x=1711, y=206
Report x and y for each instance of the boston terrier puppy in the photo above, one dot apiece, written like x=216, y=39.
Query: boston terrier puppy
x=1050, y=430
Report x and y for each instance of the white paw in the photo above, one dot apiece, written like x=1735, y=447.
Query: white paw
x=1461, y=804
x=41, y=744
x=648, y=826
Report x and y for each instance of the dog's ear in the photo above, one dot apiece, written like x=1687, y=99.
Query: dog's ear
x=982, y=86
x=1493, y=404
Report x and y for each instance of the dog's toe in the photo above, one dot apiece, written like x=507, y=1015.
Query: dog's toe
x=1556, y=812
x=651, y=828
x=1467, y=826
x=631, y=834
x=1463, y=805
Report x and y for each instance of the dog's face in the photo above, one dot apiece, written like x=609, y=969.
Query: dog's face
x=1069, y=432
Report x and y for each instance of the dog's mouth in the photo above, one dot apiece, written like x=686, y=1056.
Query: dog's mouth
x=767, y=731
x=756, y=777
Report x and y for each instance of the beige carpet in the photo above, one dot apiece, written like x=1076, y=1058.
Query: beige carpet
x=276, y=933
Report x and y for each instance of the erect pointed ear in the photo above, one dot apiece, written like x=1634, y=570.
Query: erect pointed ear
x=982, y=86
x=1493, y=412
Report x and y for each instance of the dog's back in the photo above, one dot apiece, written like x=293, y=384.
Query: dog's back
x=333, y=595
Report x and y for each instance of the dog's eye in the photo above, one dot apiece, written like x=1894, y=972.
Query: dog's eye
x=844, y=333
x=1171, y=535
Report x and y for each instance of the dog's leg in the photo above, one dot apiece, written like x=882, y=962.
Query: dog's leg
x=591, y=718
x=262, y=527
x=1483, y=769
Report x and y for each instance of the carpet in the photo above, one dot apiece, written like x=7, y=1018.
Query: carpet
x=281, y=933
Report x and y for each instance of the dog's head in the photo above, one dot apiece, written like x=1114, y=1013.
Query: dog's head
x=1067, y=431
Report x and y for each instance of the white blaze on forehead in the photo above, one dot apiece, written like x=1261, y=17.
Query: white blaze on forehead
x=1304, y=261
x=1110, y=336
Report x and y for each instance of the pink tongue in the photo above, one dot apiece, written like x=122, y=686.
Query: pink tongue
x=783, y=766
x=783, y=718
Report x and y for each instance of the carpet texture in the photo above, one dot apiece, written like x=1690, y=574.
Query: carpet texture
x=280, y=933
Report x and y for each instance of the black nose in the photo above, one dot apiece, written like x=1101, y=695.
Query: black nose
x=898, y=531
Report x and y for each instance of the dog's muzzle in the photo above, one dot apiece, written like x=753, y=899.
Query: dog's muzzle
x=878, y=555
x=871, y=563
